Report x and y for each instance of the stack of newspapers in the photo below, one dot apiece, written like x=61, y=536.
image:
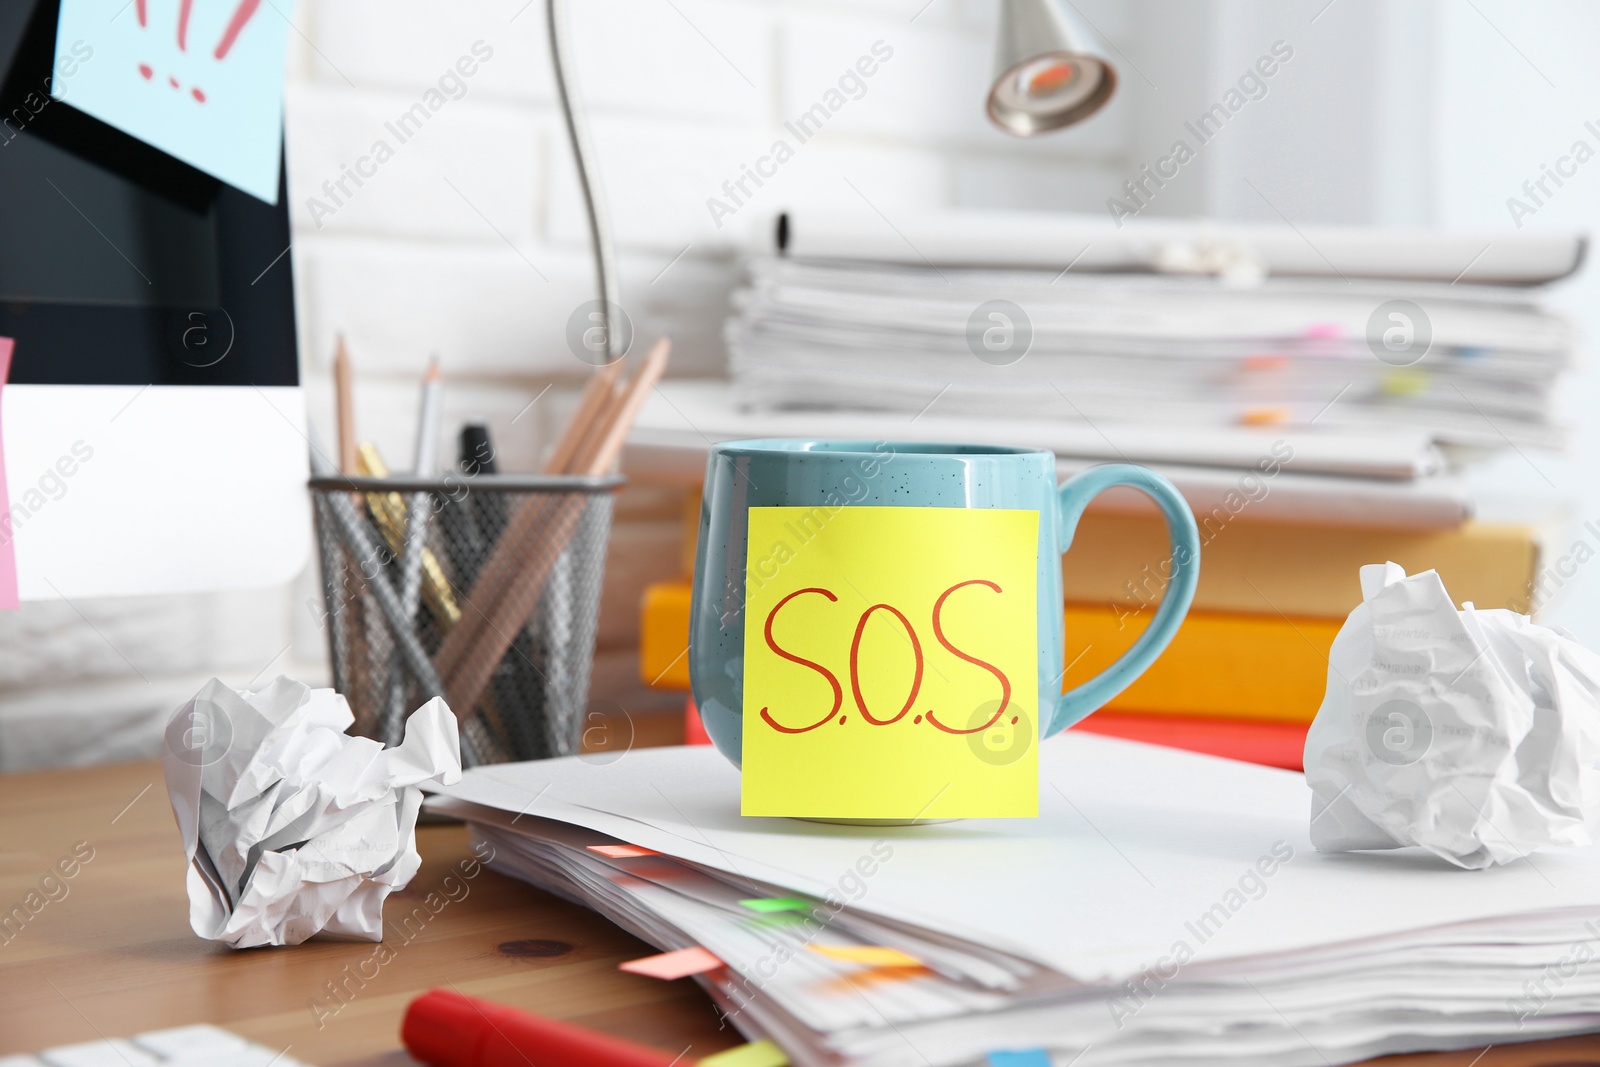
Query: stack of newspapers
x=1166, y=325
x=1164, y=908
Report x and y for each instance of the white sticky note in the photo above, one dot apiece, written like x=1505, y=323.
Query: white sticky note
x=202, y=82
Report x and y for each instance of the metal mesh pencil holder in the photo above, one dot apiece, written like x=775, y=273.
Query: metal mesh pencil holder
x=516, y=562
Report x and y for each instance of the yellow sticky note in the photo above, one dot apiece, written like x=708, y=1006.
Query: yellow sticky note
x=868, y=955
x=891, y=663
x=755, y=1054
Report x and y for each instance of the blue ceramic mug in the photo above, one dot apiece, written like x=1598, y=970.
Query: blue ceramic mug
x=741, y=475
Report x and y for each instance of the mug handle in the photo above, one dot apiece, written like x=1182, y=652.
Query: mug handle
x=1074, y=495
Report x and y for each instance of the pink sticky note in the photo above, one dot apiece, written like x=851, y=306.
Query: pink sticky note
x=8, y=554
x=670, y=965
x=622, y=852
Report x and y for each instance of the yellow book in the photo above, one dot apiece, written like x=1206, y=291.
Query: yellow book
x=1220, y=665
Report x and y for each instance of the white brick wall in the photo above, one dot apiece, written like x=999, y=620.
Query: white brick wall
x=469, y=241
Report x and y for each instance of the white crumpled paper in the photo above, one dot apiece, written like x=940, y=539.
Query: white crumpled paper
x=291, y=826
x=1472, y=734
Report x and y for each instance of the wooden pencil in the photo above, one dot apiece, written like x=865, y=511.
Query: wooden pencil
x=534, y=539
x=490, y=582
x=345, y=406
x=364, y=621
x=592, y=405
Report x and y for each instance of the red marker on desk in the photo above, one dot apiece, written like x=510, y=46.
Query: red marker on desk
x=447, y=1029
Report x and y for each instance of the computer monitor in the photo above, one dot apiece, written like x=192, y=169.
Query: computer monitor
x=153, y=425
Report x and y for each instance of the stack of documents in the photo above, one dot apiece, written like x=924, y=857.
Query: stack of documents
x=1471, y=364
x=1394, y=479
x=1096, y=242
x=1164, y=908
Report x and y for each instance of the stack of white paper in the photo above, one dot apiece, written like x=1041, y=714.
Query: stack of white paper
x=1165, y=907
x=1097, y=242
x=1391, y=479
x=1473, y=365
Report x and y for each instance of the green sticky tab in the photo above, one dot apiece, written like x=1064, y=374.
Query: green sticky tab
x=755, y=1054
x=770, y=904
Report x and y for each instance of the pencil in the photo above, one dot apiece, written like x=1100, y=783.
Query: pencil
x=427, y=453
x=345, y=405
x=592, y=405
x=553, y=524
x=497, y=570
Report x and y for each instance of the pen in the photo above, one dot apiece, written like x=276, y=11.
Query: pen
x=448, y=1029
x=478, y=457
x=389, y=513
x=465, y=539
x=517, y=686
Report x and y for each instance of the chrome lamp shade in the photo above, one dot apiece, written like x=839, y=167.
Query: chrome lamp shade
x=1050, y=69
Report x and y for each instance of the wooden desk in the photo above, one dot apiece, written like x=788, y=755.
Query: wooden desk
x=115, y=956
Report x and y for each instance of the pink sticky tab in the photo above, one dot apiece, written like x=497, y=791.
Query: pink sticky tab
x=1324, y=331
x=670, y=965
x=8, y=554
x=622, y=852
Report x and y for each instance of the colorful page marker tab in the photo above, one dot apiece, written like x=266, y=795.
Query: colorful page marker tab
x=891, y=663
x=868, y=955
x=772, y=904
x=755, y=1054
x=622, y=852
x=1034, y=1057
x=672, y=965
x=8, y=551
x=202, y=82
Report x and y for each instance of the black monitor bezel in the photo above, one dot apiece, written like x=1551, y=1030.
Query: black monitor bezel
x=248, y=339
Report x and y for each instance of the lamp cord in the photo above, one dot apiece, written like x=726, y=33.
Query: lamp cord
x=583, y=157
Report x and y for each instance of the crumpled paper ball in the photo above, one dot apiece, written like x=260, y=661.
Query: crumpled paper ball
x=1472, y=734
x=291, y=826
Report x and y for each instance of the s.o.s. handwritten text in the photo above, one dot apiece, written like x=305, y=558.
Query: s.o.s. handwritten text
x=854, y=663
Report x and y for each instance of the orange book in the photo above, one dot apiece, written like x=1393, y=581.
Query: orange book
x=1268, y=667
x=664, y=635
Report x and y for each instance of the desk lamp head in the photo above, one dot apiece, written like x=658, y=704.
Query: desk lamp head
x=1050, y=70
